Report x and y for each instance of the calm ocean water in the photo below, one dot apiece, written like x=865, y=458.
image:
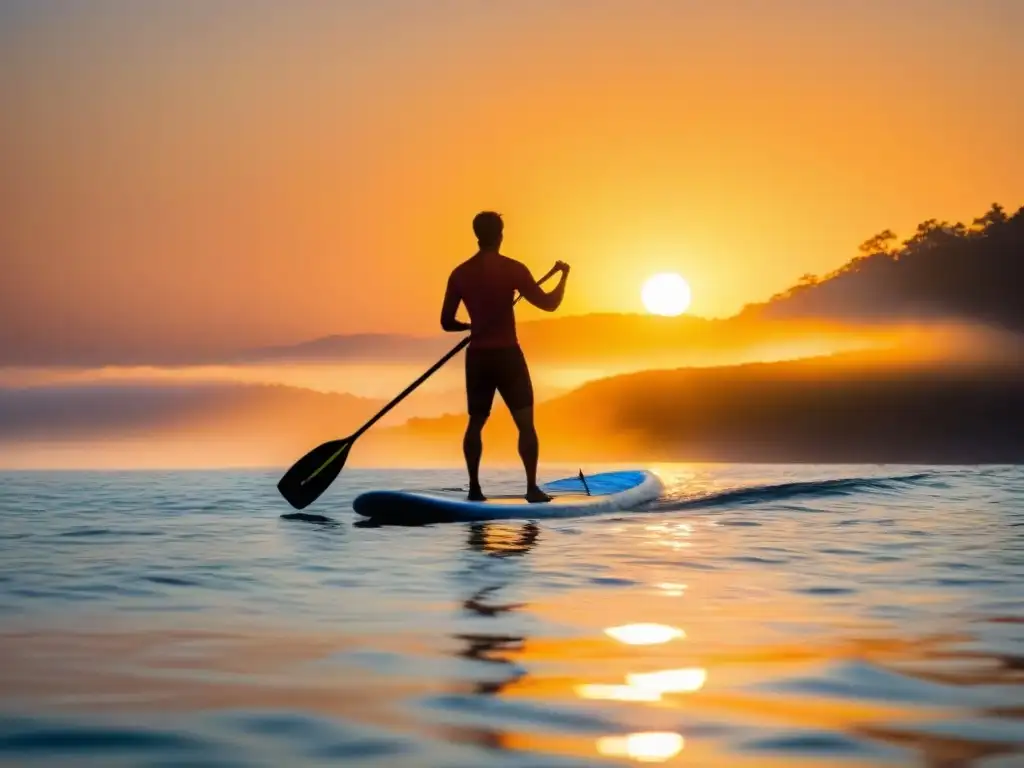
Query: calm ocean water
x=754, y=616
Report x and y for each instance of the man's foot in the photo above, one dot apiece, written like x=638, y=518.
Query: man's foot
x=475, y=494
x=535, y=495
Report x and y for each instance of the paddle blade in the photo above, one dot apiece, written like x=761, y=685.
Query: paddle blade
x=311, y=475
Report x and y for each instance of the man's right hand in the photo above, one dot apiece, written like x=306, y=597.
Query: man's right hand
x=533, y=293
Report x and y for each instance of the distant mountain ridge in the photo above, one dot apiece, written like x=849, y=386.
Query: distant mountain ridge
x=843, y=408
x=587, y=340
x=363, y=347
x=943, y=272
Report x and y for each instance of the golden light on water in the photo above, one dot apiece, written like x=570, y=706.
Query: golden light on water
x=644, y=634
x=672, y=589
x=647, y=686
x=617, y=693
x=674, y=536
x=669, y=680
x=651, y=747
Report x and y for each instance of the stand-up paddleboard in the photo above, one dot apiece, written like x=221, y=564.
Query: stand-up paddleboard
x=573, y=496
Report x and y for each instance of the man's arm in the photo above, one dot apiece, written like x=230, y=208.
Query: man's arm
x=452, y=297
x=549, y=301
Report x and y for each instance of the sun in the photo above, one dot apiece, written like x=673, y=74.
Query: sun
x=666, y=294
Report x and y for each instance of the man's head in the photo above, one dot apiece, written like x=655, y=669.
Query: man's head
x=488, y=227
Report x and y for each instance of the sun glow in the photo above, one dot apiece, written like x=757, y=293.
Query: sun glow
x=666, y=293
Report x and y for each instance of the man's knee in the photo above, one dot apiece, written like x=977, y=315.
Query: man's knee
x=523, y=418
x=476, y=422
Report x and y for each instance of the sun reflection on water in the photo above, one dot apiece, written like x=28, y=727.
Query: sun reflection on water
x=647, y=686
x=616, y=692
x=652, y=747
x=672, y=535
x=644, y=634
x=670, y=680
x=672, y=589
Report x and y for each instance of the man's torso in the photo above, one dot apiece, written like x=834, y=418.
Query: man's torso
x=487, y=283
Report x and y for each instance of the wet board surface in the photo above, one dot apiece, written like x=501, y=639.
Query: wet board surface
x=609, y=492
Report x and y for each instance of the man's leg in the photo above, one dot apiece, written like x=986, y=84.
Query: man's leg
x=529, y=452
x=516, y=389
x=472, y=449
x=480, y=388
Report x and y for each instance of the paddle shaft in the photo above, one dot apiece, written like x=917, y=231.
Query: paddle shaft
x=429, y=372
x=409, y=390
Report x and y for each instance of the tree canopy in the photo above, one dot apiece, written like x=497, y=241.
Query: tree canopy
x=943, y=270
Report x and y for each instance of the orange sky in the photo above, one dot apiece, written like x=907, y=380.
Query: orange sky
x=190, y=174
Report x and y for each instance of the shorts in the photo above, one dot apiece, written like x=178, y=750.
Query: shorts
x=501, y=370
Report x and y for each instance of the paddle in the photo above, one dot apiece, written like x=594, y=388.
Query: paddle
x=311, y=475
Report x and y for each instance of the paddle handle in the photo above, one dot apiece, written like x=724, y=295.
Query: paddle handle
x=430, y=372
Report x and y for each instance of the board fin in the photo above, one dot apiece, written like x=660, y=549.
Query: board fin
x=584, y=481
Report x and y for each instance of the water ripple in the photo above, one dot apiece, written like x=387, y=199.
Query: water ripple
x=755, y=616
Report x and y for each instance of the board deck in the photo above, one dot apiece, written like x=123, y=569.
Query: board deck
x=609, y=491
